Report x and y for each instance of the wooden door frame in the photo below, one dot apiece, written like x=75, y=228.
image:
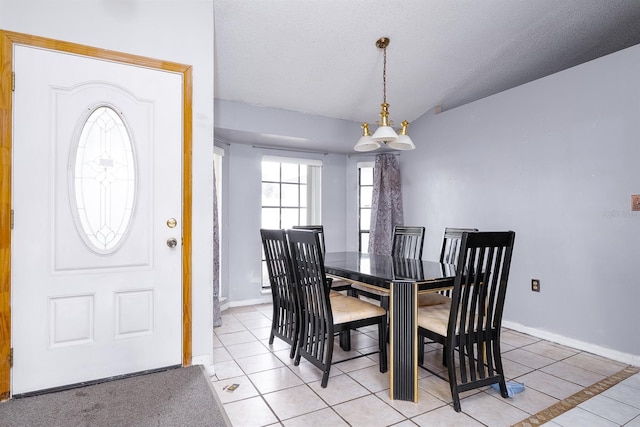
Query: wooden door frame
x=7, y=41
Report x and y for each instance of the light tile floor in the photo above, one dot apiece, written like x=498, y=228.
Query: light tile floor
x=274, y=392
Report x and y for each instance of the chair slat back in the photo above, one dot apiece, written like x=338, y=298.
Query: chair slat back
x=318, y=229
x=276, y=251
x=316, y=325
x=407, y=242
x=450, y=250
x=478, y=301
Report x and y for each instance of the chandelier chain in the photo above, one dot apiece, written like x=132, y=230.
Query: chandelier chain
x=384, y=76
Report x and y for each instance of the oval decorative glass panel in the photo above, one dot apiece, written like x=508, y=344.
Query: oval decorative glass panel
x=104, y=180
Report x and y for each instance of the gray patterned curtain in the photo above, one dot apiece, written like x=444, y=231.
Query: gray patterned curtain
x=217, y=316
x=386, y=204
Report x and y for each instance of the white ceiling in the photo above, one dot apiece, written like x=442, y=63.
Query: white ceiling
x=319, y=56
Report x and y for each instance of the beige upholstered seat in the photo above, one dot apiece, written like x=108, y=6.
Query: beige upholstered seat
x=435, y=317
x=349, y=309
x=432, y=298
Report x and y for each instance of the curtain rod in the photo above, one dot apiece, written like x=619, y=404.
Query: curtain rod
x=394, y=153
x=295, y=150
x=221, y=141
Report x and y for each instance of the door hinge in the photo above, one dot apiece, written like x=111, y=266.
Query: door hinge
x=11, y=358
x=12, y=219
x=13, y=81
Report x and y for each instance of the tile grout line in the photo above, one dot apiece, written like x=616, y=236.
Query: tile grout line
x=574, y=400
x=304, y=383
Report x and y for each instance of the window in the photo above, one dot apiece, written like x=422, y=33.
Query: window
x=365, y=194
x=104, y=180
x=291, y=190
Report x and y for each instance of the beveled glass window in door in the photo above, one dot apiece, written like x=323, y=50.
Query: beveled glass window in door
x=104, y=180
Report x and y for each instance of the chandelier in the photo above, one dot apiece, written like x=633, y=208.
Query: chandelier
x=385, y=133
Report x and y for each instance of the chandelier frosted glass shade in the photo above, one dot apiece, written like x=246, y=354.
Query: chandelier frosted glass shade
x=385, y=134
x=403, y=142
x=366, y=143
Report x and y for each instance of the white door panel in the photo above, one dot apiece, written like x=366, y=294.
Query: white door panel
x=83, y=312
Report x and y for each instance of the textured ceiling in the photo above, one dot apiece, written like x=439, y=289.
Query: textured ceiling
x=319, y=57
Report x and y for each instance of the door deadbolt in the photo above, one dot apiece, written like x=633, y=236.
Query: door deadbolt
x=172, y=243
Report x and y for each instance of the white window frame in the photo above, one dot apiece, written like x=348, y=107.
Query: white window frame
x=314, y=194
x=359, y=166
x=314, y=198
x=218, y=154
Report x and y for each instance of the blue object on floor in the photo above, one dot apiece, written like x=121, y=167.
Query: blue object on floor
x=512, y=387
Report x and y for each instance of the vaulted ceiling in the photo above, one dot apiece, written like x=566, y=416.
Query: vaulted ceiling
x=319, y=56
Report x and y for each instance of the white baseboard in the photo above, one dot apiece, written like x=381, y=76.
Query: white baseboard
x=264, y=300
x=206, y=362
x=628, y=358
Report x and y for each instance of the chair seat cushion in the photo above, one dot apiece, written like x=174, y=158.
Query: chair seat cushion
x=435, y=317
x=371, y=290
x=348, y=309
x=432, y=298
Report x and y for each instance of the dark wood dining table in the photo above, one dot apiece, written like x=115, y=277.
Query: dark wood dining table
x=404, y=279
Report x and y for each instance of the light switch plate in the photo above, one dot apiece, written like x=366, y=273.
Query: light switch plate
x=635, y=202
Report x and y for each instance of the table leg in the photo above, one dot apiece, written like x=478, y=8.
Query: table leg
x=403, y=341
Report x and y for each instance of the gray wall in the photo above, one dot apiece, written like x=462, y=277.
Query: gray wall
x=178, y=31
x=242, y=260
x=242, y=277
x=556, y=161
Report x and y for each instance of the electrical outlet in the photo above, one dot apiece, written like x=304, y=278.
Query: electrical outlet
x=535, y=285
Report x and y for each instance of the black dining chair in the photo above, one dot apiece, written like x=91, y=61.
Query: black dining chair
x=468, y=325
x=449, y=254
x=337, y=284
x=284, y=321
x=407, y=242
x=322, y=316
x=450, y=251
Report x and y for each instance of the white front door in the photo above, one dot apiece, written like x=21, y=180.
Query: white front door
x=96, y=244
